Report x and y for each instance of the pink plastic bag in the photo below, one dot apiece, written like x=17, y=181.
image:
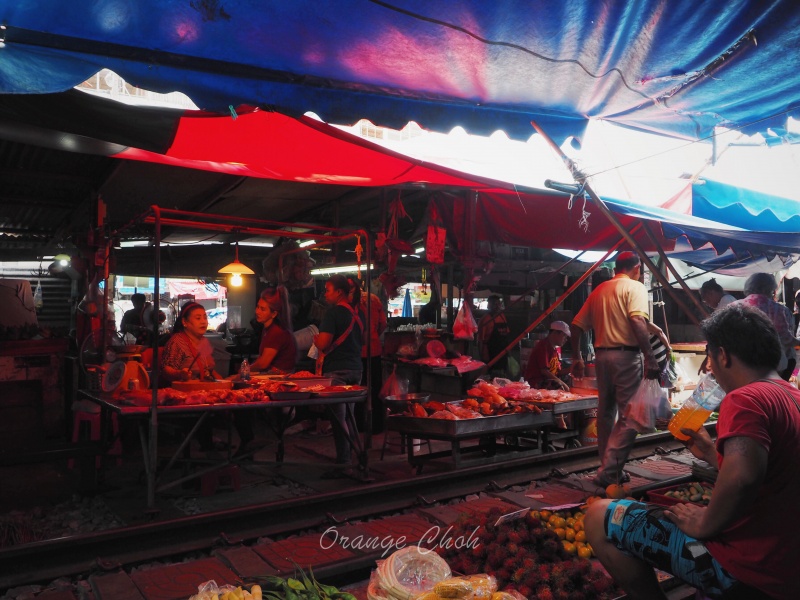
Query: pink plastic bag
x=465, y=326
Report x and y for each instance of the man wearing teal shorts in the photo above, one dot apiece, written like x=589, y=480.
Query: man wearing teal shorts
x=743, y=544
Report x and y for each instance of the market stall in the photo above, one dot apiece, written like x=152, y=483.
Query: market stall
x=498, y=418
x=199, y=410
x=133, y=408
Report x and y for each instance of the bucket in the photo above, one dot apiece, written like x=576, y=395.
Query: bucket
x=588, y=435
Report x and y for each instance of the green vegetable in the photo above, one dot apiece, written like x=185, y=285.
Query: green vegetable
x=300, y=587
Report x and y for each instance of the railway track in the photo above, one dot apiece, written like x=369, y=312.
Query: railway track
x=41, y=562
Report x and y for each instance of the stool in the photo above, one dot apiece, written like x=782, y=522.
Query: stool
x=224, y=477
x=83, y=419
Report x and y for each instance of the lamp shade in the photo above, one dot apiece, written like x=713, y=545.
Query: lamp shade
x=236, y=267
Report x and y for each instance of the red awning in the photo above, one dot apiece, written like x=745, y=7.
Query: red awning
x=273, y=146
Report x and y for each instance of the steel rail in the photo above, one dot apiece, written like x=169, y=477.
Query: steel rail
x=43, y=561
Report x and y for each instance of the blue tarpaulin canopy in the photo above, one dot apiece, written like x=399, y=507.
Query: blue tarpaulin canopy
x=678, y=68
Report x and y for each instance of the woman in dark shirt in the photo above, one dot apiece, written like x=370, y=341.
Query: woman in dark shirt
x=277, y=350
x=277, y=354
x=340, y=339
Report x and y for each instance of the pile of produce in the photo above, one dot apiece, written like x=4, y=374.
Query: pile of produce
x=463, y=364
x=302, y=375
x=406, y=574
x=468, y=409
x=273, y=588
x=693, y=492
x=502, y=390
x=210, y=591
x=568, y=526
x=415, y=573
x=525, y=555
x=173, y=397
x=469, y=587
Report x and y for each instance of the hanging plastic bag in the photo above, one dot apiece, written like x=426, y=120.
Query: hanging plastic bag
x=393, y=385
x=664, y=410
x=642, y=408
x=465, y=326
x=38, y=300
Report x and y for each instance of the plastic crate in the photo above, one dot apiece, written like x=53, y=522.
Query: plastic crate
x=657, y=496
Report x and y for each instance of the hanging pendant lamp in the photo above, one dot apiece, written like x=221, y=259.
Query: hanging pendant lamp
x=236, y=268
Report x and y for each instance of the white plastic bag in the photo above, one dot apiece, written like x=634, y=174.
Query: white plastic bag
x=642, y=408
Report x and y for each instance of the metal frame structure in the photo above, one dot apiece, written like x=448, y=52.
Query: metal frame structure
x=160, y=217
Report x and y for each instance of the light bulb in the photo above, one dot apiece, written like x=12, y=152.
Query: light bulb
x=236, y=280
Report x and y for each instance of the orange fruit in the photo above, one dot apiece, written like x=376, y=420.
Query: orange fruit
x=534, y=514
x=578, y=525
x=545, y=515
x=561, y=532
x=570, y=534
x=569, y=547
x=615, y=492
x=570, y=521
x=580, y=536
x=585, y=552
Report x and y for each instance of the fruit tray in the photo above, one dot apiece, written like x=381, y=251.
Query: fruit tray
x=658, y=496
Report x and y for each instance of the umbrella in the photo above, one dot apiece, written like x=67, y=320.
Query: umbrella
x=407, y=312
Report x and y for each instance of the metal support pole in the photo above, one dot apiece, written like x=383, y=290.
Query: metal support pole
x=368, y=408
x=156, y=369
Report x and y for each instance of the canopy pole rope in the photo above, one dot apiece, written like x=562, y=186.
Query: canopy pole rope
x=703, y=310
x=555, y=304
x=581, y=179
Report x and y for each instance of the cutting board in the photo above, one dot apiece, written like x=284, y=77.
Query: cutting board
x=194, y=386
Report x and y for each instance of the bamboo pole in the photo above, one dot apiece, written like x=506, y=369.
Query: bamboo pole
x=581, y=178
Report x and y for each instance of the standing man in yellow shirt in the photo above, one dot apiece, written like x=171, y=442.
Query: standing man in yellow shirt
x=618, y=311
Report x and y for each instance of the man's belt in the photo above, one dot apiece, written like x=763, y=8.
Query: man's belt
x=620, y=349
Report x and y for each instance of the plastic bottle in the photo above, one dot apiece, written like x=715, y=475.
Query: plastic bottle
x=705, y=399
x=244, y=370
